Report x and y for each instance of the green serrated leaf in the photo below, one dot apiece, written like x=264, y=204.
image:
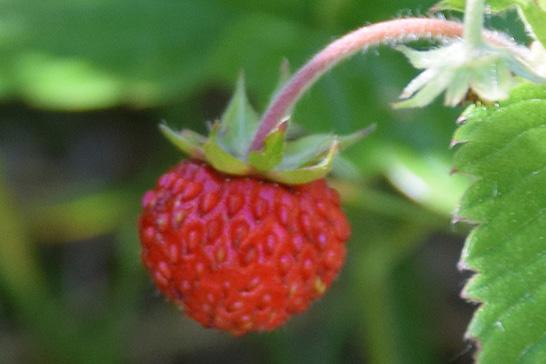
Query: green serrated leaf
x=473, y=112
x=306, y=174
x=220, y=159
x=238, y=123
x=271, y=154
x=187, y=141
x=506, y=150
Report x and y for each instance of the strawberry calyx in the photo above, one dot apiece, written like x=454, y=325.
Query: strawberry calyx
x=281, y=159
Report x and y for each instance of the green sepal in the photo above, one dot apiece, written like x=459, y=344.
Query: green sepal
x=304, y=150
x=309, y=149
x=227, y=146
x=220, y=159
x=346, y=141
x=186, y=140
x=272, y=152
x=238, y=123
x=306, y=174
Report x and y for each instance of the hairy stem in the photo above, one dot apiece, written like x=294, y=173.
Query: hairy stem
x=473, y=22
x=393, y=31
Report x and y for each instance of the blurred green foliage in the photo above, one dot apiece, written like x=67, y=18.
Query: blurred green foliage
x=84, y=84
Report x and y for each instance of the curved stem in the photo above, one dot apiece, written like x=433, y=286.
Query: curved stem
x=393, y=31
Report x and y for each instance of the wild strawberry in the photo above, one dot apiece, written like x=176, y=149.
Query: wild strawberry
x=244, y=239
x=241, y=254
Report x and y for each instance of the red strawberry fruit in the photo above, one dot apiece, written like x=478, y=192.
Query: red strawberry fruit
x=243, y=240
x=241, y=254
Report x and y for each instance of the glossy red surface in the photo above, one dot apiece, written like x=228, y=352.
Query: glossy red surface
x=241, y=254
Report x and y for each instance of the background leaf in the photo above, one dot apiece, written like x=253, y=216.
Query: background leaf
x=54, y=54
x=504, y=149
x=495, y=5
x=534, y=14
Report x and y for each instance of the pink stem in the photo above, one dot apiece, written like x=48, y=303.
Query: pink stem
x=398, y=31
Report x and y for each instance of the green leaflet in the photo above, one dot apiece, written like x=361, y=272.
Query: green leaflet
x=505, y=149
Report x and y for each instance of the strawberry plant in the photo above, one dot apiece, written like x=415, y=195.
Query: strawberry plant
x=273, y=222
x=247, y=233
